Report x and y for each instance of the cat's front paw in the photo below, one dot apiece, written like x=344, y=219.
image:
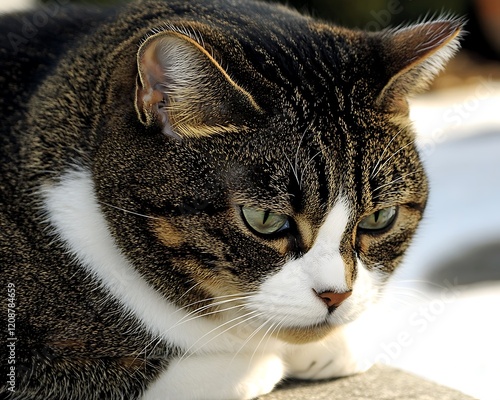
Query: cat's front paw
x=336, y=356
x=217, y=377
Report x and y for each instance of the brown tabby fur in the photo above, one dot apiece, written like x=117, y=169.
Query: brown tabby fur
x=287, y=113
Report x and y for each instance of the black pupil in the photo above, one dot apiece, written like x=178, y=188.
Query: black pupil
x=266, y=216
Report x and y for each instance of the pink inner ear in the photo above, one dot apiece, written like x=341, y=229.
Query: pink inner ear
x=182, y=86
x=152, y=76
x=151, y=97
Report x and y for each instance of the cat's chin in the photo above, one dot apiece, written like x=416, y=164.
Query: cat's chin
x=301, y=335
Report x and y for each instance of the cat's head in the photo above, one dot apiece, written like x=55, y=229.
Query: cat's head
x=270, y=169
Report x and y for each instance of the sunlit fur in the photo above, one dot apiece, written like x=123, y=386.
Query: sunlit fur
x=131, y=139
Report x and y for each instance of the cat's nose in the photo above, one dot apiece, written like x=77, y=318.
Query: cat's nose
x=333, y=299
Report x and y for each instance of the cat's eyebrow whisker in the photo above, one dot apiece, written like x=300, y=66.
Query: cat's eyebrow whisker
x=295, y=172
x=394, y=192
x=393, y=155
x=375, y=171
x=394, y=181
x=128, y=211
x=307, y=166
x=295, y=165
x=306, y=131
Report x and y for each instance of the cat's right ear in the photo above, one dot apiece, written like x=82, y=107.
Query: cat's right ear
x=182, y=87
x=413, y=56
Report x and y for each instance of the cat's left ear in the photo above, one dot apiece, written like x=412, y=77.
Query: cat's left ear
x=413, y=56
x=182, y=87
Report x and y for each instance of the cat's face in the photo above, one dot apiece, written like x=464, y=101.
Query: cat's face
x=271, y=227
x=281, y=196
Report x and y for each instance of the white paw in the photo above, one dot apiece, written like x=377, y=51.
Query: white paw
x=340, y=354
x=217, y=377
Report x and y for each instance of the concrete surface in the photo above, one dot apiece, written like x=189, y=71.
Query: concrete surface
x=380, y=382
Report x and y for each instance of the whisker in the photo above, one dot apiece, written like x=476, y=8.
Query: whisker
x=246, y=317
x=395, y=180
x=426, y=282
x=413, y=293
x=257, y=330
x=393, y=155
x=160, y=337
x=267, y=335
x=128, y=211
x=410, y=295
x=295, y=173
x=195, y=314
x=307, y=166
x=242, y=296
x=300, y=142
x=375, y=171
x=278, y=327
x=394, y=192
x=295, y=165
x=191, y=288
x=309, y=127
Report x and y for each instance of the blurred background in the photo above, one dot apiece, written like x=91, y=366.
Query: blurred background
x=439, y=317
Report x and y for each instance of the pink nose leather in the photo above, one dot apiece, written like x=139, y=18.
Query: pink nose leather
x=333, y=299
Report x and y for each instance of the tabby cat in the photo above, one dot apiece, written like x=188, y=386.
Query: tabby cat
x=199, y=197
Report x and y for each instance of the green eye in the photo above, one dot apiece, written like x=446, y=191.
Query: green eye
x=264, y=222
x=379, y=220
